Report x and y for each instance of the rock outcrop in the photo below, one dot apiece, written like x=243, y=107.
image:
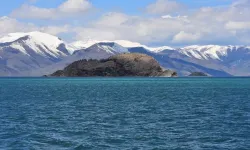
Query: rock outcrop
x=198, y=74
x=122, y=65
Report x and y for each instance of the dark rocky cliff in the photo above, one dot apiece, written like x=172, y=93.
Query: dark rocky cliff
x=123, y=65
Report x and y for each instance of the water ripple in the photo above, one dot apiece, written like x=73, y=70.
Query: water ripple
x=125, y=113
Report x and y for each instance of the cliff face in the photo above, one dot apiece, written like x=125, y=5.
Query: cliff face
x=131, y=64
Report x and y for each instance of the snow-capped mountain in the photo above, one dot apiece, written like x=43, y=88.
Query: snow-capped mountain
x=39, y=42
x=213, y=52
x=21, y=52
x=78, y=45
x=124, y=43
x=101, y=50
x=87, y=43
x=98, y=51
x=37, y=53
x=233, y=60
x=129, y=44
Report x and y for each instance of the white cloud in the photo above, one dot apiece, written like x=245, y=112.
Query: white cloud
x=9, y=25
x=208, y=25
x=186, y=37
x=33, y=12
x=232, y=25
x=114, y=26
x=55, y=30
x=181, y=18
x=67, y=9
x=164, y=7
x=75, y=6
x=241, y=3
x=94, y=33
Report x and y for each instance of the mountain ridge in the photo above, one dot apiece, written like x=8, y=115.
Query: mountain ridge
x=22, y=53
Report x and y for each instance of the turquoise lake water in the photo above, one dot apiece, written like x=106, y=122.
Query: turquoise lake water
x=125, y=113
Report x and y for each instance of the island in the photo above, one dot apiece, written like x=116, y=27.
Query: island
x=121, y=65
x=198, y=74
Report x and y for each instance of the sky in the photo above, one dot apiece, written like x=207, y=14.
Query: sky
x=151, y=22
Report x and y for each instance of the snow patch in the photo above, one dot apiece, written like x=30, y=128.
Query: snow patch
x=208, y=51
x=124, y=43
x=46, y=39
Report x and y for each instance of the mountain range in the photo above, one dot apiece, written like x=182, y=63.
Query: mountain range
x=37, y=54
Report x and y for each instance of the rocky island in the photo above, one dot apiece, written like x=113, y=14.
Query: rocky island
x=122, y=65
x=198, y=74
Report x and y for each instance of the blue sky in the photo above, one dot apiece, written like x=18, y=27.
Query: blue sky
x=151, y=22
x=128, y=6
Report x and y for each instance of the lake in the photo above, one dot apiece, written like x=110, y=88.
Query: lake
x=125, y=113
